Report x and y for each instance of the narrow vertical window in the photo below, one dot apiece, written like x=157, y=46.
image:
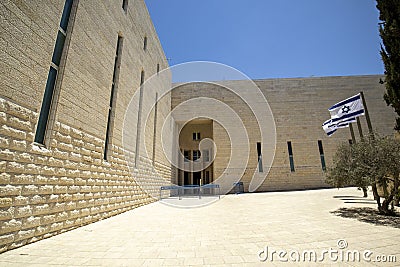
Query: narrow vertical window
x=206, y=155
x=206, y=177
x=139, y=120
x=145, y=43
x=196, y=136
x=158, y=68
x=125, y=5
x=259, y=157
x=291, y=161
x=114, y=88
x=321, y=154
x=53, y=75
x=155, y=129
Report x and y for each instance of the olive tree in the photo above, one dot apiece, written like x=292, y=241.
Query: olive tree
x=373, y=161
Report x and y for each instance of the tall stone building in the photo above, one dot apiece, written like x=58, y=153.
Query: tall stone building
x=69, y=70
x=300, y=152
x=85, y=134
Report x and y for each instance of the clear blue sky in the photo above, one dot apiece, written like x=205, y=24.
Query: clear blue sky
x=272, y=39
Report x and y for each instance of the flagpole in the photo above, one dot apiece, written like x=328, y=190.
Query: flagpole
x=359, y=128
x=373, y=186
x=366, y=113
x=353, y=137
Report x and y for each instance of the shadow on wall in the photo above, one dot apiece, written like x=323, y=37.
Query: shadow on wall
x=368, y=215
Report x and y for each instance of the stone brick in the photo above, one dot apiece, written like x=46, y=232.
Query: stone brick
x=41, y=209
x=6, y=154
x=6, y=239
x=31, y=222
x=56, y=226
x=48, y=219
x=25, y=234
x=20, y=124
x=23, y=179
x=30, y=190
x=46, y=189
x=11, y=132
x=55, y=162
x=24, y=157
x=32, y=169
x=4, y=142
x=10, y=190
x=37, y=200
x=21, y=200
x=5, y=178
x=5, y=202
x=10, y=226
x=23, y=211
x=19, y=145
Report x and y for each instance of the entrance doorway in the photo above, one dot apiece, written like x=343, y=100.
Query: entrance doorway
x=196, y=178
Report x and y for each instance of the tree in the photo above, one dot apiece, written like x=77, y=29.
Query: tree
x=372, y=161
x=390, y=51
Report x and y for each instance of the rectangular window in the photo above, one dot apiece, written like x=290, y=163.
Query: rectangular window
x=139, y=118
x=321, y=154
x=155, y=128
x=196, y=136
x=186, y=178
x=158, y=68
x=206, y=155
x=196, y=155
x=58, y=48
x=206, y=177
x=125, y=5
x=145, y=43
x=259, y=157
x=46, y=103
x=66, y=14
x=114, y=87
x=291, y=161
x=53, y=74
x=186, y=154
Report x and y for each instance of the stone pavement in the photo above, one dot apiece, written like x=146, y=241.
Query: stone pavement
x=229, y=232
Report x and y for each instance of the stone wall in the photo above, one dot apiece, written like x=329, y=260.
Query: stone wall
x=299, y=107
x=65, y=183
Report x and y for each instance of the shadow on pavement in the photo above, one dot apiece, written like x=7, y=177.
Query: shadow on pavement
x=368, y=215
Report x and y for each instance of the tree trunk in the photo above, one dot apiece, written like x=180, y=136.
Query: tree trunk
x=396, y=189
x=385, y=206
x=365, y=190
x=376, y=195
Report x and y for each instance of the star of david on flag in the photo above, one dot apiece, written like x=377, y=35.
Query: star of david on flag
x=343, y=113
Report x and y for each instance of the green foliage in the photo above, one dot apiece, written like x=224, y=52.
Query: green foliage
x=390, y=51
x=372, y=160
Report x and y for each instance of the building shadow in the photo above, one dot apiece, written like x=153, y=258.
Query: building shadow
x=368, y=215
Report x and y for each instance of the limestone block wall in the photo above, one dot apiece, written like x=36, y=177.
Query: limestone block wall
x=45, y=192
x=65, y=183
x=299, y=107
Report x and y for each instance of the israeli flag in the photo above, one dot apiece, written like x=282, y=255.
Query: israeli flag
x=347, y=109
x=330, y=126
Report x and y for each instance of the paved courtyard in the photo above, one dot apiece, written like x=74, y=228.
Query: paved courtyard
x=238, y=230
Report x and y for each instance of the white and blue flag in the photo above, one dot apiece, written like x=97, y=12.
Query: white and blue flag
x=343, y=113
x=349, y=108
x=331, y=127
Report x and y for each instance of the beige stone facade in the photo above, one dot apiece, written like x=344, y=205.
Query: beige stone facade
x=102, y=151
x=66, y=182
x=299, y=107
